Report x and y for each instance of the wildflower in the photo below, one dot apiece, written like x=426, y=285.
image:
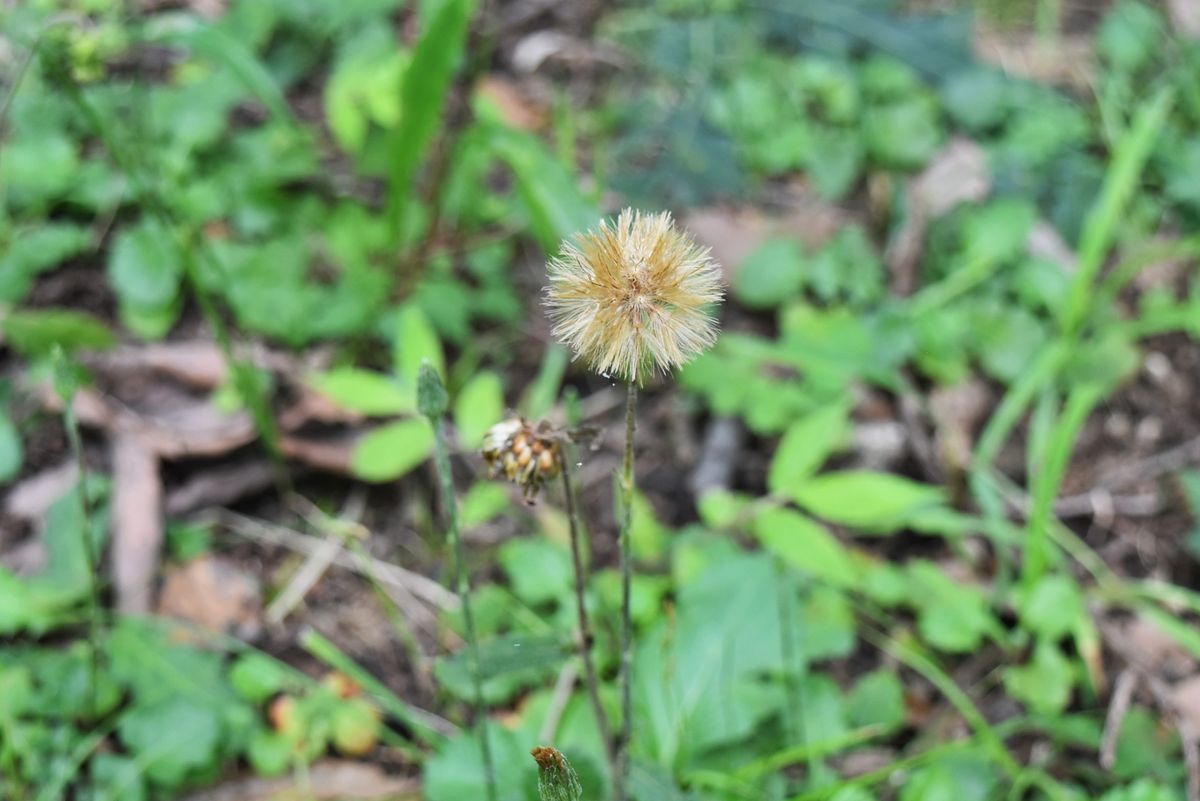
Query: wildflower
x=526, y=455
x=632, y=298
x=557, y=780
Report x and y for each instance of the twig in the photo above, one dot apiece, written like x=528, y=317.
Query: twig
x=273, y=534
x=1118, y=706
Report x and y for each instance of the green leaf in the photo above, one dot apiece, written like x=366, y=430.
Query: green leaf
x=171, y=738
x=38, y=332
x=479, y=406
x=269, y=753
x=805, y=446
x=547, y=189
x=507, y=665
x=363, y=391
x=720, y=508
x=31, y=251
x=952, y=616
x=145, y=272
x=877, y=700
x=805, y=545
x=422, y=95
x=484, y=501
x=390, y=451
x=416, y=341
x=903, y=134
x=364, y=87
x=11, y=452
x=257, y=677
x=456, y=772
x=863, y=499
x=1044, y=685
x=538, y=570
x=432, y=399
x=1131, y=35
x=771, y=275
x=1052, y=608
x=961, y=776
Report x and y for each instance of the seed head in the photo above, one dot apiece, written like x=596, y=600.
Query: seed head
x=526, y=455
x=630, y=299
x=557, y=780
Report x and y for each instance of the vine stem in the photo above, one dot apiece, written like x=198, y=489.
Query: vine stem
x=585, y=628
x=621, y=777
x=442, y=460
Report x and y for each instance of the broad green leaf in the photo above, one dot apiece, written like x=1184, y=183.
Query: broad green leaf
x=965, y=775
x=32, y=251
x=903, y=134
x=805, y=545
x=416, y=341
x=38, y=332
x=1051, y=608
x=269, y=753
x=876, y=502
x=479, y=406
x=877, y=700
x=805, y=446
x=257, y=677
x=145, y=272
x=363, y=391
x=364, y=87
x=456, y=772
x=720, y=508
x=422, y=96
x=390, y=451
x=539, y=571
x=507, y=665
x=171, y=738
x=952, y=616
x=1044, y=684
x=1131, y=35
x=484, y=501
x=771, y=275
x=11, y=452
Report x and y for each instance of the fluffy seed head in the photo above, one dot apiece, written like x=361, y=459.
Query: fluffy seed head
x=630, y=299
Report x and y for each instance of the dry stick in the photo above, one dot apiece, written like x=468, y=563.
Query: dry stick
x=585, y=629
x=621, y=778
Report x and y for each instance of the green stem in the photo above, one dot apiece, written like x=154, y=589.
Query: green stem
x=442, y=460
x=585, y=628
x=71, y=424
x=620, y=779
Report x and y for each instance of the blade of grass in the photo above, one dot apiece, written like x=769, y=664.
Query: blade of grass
x=422, y=96
x=1060, y=442
x=1103, y=221
x=428, y=728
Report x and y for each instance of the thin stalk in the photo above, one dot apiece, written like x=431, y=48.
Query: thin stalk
x=620, y=779
x=585, y=628
x=71, y=424
x=442, y=460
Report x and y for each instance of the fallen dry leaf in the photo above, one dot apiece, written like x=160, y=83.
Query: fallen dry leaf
x=137, y=522
x=1065, y=60
x=517, y=109
x=1185, y=698
x=213, y=593
x=1185, y=17
x=33, y=497
x=327, y=780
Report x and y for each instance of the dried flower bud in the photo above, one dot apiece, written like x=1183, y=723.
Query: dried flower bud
x=557, y=780
x=632, y=298
x=523, y=454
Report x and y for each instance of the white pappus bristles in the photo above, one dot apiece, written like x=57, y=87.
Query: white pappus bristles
x=632, y=298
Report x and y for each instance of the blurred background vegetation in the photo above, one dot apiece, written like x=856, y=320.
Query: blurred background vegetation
x=922, y=524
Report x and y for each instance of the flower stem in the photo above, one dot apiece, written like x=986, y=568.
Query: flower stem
x=620, y=779
x=442, y=461
x=585, y=628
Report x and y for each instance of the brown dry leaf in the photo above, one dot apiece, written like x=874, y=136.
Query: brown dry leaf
x=516, y=108
x=1185, y=698
x=1185, y=17
x=215, y=594
x=734, y=233
x=332, y=453
x=1066, y=60
x=171, y=422
x=327, y=780
x=957, y=413
x=33, y=497
x=197, y=364
x=137, y=522
x=1143, y=644
x=220, y=486
x=957, y=174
